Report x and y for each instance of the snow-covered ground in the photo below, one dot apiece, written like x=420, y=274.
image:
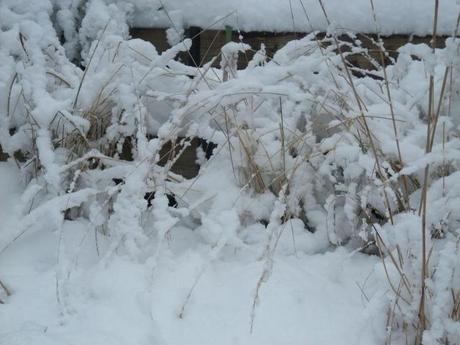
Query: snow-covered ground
x=63, y=294
x=326, y=214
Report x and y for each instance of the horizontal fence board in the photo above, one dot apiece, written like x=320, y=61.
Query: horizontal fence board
x=155, y=36
x=208, y=43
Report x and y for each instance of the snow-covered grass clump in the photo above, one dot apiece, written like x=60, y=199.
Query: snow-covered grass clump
x=310, y=156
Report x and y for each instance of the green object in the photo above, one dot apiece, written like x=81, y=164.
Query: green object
x=228, y=33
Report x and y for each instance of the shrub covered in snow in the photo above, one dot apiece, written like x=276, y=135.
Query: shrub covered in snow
x=370, y=163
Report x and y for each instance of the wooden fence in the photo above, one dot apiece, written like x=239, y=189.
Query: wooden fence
x=207, y=43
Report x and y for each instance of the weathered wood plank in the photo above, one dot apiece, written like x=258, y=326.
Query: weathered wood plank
x=208, y=43
x=155, y=36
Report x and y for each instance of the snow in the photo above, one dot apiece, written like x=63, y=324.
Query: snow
x=392, y=16
x=308, y=299
x=306, y=224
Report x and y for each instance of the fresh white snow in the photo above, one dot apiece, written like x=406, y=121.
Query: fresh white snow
x=309, y=299
x=267, y=244
x=391, y=16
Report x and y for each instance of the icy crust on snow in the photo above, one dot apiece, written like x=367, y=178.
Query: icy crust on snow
x=392, y=16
